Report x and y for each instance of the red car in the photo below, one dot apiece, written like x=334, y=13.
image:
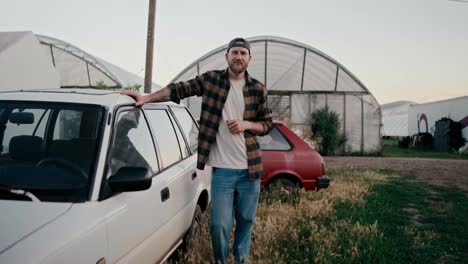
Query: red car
x=290, y=161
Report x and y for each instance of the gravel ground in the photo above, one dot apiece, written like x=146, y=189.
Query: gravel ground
x=442, y=172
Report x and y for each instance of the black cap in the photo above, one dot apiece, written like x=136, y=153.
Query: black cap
x=236, y=43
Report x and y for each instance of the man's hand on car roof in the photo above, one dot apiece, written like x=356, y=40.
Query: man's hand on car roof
x=139, y=99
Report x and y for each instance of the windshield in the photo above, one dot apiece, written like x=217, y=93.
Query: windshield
x=48, y=149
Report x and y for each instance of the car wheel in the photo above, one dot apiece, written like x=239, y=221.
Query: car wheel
x=194, y=231
x=284, y=185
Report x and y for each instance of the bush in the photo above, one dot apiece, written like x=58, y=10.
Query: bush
x=325, y=126
x=102, y=86
x=135, y=87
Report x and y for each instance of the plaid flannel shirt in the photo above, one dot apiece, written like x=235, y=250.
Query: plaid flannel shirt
x=214, y=86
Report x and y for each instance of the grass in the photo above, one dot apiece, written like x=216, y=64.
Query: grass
x=413, y=224
x=364, y=217
x=391, y=149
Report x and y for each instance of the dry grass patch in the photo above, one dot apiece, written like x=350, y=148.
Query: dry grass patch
x=275, y=218
x=364, y=217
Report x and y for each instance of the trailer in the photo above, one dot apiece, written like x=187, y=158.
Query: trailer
x=422, y=117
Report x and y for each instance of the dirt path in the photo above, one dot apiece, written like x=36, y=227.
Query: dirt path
x=446, y=172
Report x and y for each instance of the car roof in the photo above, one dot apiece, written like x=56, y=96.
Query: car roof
x=108, y=98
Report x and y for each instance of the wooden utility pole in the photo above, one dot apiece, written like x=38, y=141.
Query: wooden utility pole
x=149, y=46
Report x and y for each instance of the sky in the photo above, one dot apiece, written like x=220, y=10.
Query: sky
x=413, y=50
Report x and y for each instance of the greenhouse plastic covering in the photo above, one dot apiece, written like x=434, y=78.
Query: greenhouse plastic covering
x=301, y=79
x=23, y=63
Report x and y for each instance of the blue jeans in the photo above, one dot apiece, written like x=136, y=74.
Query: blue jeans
x=233, y=195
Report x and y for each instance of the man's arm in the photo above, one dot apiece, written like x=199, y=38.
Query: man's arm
x=173, y=92
x=264, y=117
x=264, y=121
x=239, y=126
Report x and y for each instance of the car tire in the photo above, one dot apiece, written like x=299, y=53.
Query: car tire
x=284, y=185
x=194, y=230
x=284, y=182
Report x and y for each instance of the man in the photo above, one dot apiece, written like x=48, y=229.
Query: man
x=234, y=110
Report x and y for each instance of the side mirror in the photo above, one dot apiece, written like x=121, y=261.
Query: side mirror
x=22, y=118
x=130, y=179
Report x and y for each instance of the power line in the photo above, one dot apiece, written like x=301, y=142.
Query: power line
x=463, y=1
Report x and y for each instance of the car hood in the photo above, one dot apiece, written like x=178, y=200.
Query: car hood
x=19, y=219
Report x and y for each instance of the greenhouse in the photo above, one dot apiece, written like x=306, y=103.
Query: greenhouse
x=30, y=62
x=77, y=68
x=301, y=79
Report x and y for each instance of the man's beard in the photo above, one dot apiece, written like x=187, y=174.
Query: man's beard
x=236, y=69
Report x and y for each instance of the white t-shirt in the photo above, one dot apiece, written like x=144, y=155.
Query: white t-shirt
x=229, y=149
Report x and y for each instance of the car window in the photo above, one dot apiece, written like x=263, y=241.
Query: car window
x=68, y=124
x=273, y=141
x=189, y=127
x=180, y=138
x=42, y=124
x=50, y=168
x=27, y=129
x=165, y=136
x=132, y=145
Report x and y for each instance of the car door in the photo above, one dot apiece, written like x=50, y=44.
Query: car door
x=189, y=129
x=138, y=230
x=179, y=166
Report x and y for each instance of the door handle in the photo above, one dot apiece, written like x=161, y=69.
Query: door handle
x=194, y=175
x=165, y=194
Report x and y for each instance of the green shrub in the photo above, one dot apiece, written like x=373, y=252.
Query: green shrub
x=135, y=87
x=325, y=126
x=102, y=86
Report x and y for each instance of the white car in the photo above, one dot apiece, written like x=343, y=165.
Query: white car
x=86, y=177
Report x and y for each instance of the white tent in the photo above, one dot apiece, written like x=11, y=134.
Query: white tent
x=301, y=79
x=72, y=66
x=23, y=64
